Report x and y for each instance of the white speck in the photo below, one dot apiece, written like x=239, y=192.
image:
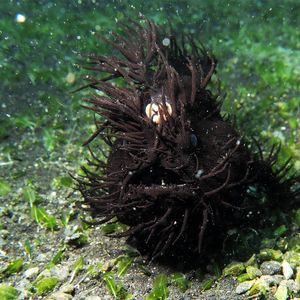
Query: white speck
x=134, y=208
x=78, y=37
x=238, y=142
x=166, y=42
x=175, y=222
x=249, y=214
x=163, y=183
x=199, y=173
x=278, y=134
x=20, y=18
x=130, y=173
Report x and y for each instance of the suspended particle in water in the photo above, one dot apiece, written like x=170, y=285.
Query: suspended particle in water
x=20, y=18
x=166, y=42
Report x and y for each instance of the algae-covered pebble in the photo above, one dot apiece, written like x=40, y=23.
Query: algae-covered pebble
x=8, y=292
x=293, y=258
x=281, y=292
x=287, y=270
x=244, y=287
x=294, y=242
x=269, y=280
x=290, y=284
x=253, y=272
x=270, y=254
x=45, y=285
x=234, y=269
x=243, y=277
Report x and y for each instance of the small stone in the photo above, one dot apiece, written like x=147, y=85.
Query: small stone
x=270, y=267
x=281, y=292
x=42, y=257
x=244, y=287
x=93, y=298
x=67, y=288
x=268, y=280
x=290, y=284
x=4, y=233
x=60, y=296
x=44, y=273
x=278, y=278
x=21, y=285
x=61, y=272
x=30, y=273
x=287, y=270
x=2, y=242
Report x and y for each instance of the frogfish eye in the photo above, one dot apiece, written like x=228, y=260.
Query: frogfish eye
x=194, y=140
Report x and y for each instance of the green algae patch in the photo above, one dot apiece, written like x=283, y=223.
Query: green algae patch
x=243, y=277
x=292, y=257
x=207, y=284
x=13, y=267
x=4, y=188
x=113, y=227
x=280, y=231
x=160, y=288
x=297, y=217
x=77, y=267
x=116, y=290
x=45, y=285
x=179, y=280
x=62, y=181
x=39, y=214
x=123, y=265
x=8, y=292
